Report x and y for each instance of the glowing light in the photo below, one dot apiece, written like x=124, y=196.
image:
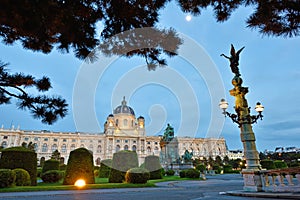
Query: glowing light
x=188, y=18
x=80, y=183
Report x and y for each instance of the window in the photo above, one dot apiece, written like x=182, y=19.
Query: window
x=125, y=121
x=148, y=142
x=64, y=140
x=36, y=139
x=55, y=139
x=118, y=148
x=82, y=145
x=26, y=139
x=133, y=148
x=45, y=139
x=4, y=144
x=64, y=148
x=156, y=150
x=117, y=122
x=118, y=141
x=54, y=147
x=5, y=137
x=72, y=147
x=35, y=146
x=134, y=141
x=155, y=142
x=126, y=147
x=148, y=150
x=73, y=140
x=99, y=141
x=99, y=149
x=126, y=141
x=45, y=147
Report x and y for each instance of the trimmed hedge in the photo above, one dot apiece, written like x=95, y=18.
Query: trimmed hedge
x=50, y=164
x=52, y=176
x=80, y=166
x=280, y=164
x=201, y=168
x=22, y=177
x=137, y=175
x=189, y=173
x=152, y=164
x=122, y=161
x=7, y=178
x=268, y=164
x=105, y=167
x=170, y=172
x=20, y=157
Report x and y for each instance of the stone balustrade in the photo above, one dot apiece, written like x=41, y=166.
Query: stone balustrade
x=281, y=180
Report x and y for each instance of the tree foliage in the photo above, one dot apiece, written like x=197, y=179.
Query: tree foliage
x=48, y=109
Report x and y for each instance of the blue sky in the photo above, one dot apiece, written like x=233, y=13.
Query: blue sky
x=185, y=93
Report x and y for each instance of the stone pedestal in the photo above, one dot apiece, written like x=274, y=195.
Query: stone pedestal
x=252, y=180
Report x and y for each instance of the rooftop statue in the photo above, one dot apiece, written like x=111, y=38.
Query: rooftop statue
x=234, y=60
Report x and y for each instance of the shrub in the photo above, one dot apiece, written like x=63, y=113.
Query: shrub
x=170, y=172
x=201, y=168
x=192, y=173
x=152, y=164
x=39, y=172
x=137, y=175
x=80, y=166
x=268, y=164
x=280, y=164
x=7, y=178
x=162, y=171
x=22, y=177
x=50, y=165
x=62, y=167
x=121, y=163
x=182, y=173
x=51, y=176
x=227, y=168
x=105, y=167
x=20, y=157
x=217, y=169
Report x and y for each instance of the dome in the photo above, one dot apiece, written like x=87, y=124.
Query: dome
x=123, y=108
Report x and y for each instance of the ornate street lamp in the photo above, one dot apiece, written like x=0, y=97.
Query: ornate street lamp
x=252, y=181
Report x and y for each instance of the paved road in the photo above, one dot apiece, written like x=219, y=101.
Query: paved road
x=181, y=190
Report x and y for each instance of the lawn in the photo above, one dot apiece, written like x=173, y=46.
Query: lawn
x=100, y=183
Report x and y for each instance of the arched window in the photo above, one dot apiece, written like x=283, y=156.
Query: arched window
x=4, y=144
x=64, y=148
x=131, y=123
x=62, y=160
x=118, y=148
x=148, y=150
x=125, y=122
x=36, y=147
x=117, y=122
x=133, y=148
x=91, y=147
x=44, y=147
x=126, y=147
x=54, y=147
x=72, y=147
x=156, y=150
x=99, y=149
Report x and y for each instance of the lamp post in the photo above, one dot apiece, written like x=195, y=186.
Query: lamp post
x=244, y=120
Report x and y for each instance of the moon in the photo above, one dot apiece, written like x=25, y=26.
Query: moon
x=188, y=18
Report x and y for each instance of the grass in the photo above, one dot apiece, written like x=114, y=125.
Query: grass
x=100, y=183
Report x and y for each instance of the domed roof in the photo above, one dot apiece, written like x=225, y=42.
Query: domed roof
x=123, y=108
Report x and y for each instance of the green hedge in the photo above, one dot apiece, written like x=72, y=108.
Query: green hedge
x=20, y=157
x=121, y=163
x=170, y=172
x=137, y=175
x=152, y=164
x=189, y=173
x=280, y=164
x=7, y=178
x=52, y=176
x=201, y=168
x=22, y=177
x=80, y=166
x=267, y=164
x=50, y=165
x=105, y=167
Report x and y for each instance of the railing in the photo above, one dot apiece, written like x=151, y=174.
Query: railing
x=281, y=180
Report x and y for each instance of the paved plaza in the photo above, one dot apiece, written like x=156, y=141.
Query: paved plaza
x=215, y=187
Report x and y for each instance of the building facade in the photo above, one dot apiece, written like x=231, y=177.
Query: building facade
x=122, y=131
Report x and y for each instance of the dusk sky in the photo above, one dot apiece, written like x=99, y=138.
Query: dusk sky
x=185, y=93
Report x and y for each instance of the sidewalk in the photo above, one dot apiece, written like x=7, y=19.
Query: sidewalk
x=273, y=195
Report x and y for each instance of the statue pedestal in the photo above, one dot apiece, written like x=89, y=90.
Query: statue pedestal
x=252, y=180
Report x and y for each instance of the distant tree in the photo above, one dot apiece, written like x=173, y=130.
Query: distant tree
x=48, y=109
x=226, y=160
x=219, y=161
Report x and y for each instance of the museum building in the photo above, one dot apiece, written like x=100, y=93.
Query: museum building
x=122, y=131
